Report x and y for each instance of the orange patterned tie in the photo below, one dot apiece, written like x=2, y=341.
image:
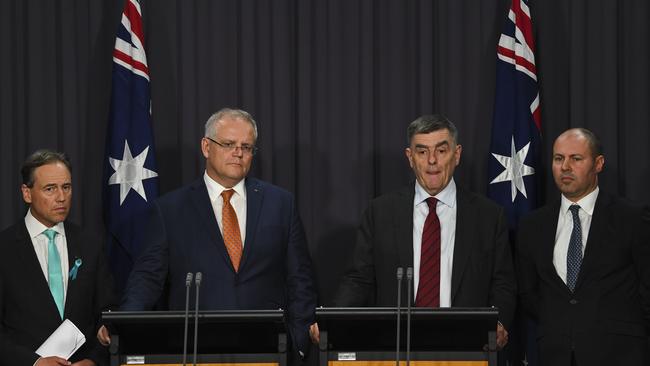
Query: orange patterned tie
x=231, y=235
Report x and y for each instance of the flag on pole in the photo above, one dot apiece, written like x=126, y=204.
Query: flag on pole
x=513, y=167
x=131, y=181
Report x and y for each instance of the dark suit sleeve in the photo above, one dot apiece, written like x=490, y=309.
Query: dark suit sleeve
x=11, y=353
x=147, y=279
x=301, y=293
x=641, y=257
x=526, y=270
x=104, y=300
x=503, y=292
x=358, y=285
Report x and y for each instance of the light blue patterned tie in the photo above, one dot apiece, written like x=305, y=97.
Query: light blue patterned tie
x=54, y=275
x=574, y=254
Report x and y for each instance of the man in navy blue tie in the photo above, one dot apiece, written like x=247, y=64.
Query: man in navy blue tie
x=51, y=271
x=584, y=265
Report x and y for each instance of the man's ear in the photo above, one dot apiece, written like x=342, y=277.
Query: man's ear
x=205, y=147
x=457, y=153
x=27, y=193
x=599, y=163
x=409, y=156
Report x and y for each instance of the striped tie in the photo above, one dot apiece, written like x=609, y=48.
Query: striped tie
x=429, y=284
x=54, y=275
x=231, y=234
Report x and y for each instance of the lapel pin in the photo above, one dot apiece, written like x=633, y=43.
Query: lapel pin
x=73, y=271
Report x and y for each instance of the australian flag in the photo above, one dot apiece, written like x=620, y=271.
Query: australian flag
x=131, y=181
x=515, y=148
x=513, y=165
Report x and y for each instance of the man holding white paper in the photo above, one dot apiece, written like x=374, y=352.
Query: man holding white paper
x=54, y=280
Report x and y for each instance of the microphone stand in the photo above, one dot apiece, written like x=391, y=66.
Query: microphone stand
x=409, y=281
x=199, y=277
x=188, y=283
x=400, y=275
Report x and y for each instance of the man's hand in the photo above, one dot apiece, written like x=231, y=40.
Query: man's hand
x=314, y=333
x=502, y=336
x=103, y=336
x=52, y=361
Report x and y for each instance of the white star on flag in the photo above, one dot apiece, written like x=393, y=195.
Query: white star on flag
x=130, y=172
x=515, y=169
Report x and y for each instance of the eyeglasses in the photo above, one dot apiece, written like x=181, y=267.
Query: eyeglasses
x=230, y=146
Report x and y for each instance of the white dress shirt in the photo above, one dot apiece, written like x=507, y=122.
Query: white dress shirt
x=446, y=211
x=238, y=202
x=40, y=242
x=565, y=226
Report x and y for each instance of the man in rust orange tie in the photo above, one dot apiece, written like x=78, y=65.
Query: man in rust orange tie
x=455, y=240
x=243, y=234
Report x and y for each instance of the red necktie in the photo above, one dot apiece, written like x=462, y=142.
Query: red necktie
x=231, y=234
x=429, y=284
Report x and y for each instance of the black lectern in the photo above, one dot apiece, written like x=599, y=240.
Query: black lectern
x=233, y=337
x=446, y=336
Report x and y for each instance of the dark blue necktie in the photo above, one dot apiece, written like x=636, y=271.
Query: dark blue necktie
x=574, y=254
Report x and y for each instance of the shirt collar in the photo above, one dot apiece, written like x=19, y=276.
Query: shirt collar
x=215, y=188
x=586, y=203
x=447, y=196
x=36, y=228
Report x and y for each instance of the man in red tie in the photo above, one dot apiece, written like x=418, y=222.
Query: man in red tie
x=455, y=240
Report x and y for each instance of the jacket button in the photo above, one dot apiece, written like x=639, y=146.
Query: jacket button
x=573, y=301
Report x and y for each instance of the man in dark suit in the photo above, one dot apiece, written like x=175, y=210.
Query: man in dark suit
x=455, y=240
x=584, y=265
x=51, y=271
x=244, y=235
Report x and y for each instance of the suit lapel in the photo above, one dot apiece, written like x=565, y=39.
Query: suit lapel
x=73, y=242
x=403, y=221
x=599, y=229
x=547, y=243
x=30, y=270
x=254, y=199
x=201, y=202
x=404, y=226
x=463, y=242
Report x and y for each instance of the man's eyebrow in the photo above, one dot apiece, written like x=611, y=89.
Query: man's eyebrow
x=441, y=143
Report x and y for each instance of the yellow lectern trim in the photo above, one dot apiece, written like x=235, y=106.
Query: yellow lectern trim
x=403, y=363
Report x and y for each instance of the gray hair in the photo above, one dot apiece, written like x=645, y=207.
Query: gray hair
x=211, y=124
x=39, y=158
x=431, y=123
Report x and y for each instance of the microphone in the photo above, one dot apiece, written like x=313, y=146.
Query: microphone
x=188, y=283
x=400, y=276
x=409, y=281
x=197, y=281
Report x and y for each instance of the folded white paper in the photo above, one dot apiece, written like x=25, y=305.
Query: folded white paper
x=63, y=342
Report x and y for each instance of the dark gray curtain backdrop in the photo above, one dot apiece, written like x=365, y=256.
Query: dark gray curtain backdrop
x=332, y=84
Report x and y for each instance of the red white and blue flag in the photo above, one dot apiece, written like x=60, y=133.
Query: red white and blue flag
x=514, y=158
x=131, y=181
x=513, y=167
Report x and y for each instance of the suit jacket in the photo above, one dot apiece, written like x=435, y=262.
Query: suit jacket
x=482, y=272
x=28, y=314
x=605, y=320
x=275, y=270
